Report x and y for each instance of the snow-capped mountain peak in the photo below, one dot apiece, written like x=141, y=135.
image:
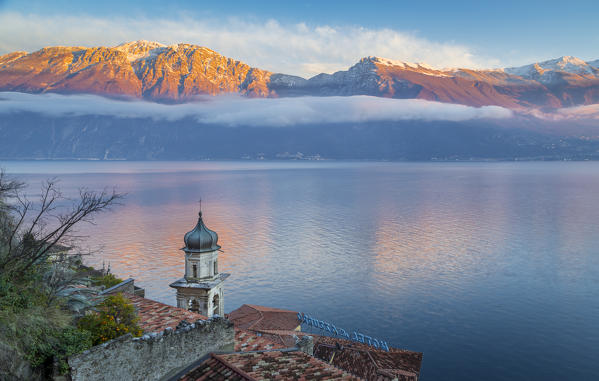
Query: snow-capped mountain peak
x=403, y=64
x=139, y=49
x=141, y=43
x=565, y=64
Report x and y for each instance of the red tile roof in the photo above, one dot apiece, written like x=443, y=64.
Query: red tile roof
x=367, y=362
x=214, y=369
x=356, y=358
x=252, y=341
x=282, y=337
x=278, y=365
x=278, y=326
x=262, y=331
x=156, y=317
x=255, y=317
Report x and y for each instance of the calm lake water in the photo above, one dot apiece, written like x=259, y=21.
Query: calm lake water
x=490, y=269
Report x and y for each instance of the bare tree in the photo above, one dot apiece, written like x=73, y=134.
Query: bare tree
x=30, y=231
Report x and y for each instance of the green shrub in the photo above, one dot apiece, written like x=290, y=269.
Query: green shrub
x=24, y=294
x=107, y=280
x=36, y=329
x=115, y=317
x=34, y=332
x=71, y=341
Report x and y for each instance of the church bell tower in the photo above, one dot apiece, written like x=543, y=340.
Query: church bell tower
x=201, y=289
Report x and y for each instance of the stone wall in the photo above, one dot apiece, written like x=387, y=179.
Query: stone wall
x=153, y=356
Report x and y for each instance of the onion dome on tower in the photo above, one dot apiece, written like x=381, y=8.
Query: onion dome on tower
x=201, y=288
x=201, y=239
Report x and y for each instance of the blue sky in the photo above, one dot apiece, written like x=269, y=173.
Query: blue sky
x=470, y=33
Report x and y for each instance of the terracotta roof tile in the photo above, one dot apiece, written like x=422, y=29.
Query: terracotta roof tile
x=252, y=341
x=278, y=326
x=268, y=309
x=283, y=337
x=156, y=317
x=367, y=362
x=356, y=358
x=277, y=365
x=214, y=369
x=255, y=317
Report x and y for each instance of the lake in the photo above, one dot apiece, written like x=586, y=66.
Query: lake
x=490, y=269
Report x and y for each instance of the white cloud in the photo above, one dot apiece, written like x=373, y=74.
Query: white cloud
x=583, y=112
x=269, y=112
x=297, y=49
x=580, y=112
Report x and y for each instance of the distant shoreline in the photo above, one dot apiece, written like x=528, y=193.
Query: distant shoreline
x=473, y=160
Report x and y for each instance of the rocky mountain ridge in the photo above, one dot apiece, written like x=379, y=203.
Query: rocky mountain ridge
x=138, y=69
x=180, y=72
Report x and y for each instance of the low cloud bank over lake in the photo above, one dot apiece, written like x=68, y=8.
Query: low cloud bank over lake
x=237, y=111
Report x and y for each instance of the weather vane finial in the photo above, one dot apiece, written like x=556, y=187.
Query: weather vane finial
x=200, y=207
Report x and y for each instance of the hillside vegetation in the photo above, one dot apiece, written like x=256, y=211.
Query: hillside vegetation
x=46, y=294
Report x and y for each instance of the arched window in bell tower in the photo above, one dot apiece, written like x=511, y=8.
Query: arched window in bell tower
x=216, y=304
x=194, y=268
x=215, y=267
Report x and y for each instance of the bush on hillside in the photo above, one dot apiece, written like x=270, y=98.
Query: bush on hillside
x=114, y=317
x=107, y=280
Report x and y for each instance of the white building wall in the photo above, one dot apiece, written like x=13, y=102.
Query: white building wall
x=204, y=263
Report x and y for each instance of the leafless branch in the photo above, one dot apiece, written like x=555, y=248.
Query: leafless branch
x=36, y=236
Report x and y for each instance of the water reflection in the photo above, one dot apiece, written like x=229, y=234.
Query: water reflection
x=490, y=269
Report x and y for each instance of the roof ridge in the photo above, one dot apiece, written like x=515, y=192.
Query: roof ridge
x=232, y=367
x=268, y=309
x=259, y=320
x=280, y=338
x=289, y=331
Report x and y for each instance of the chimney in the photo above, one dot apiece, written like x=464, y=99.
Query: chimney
x=305, y=344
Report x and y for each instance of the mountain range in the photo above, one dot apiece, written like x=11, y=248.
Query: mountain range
x=170, y=127
x=181, y=72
